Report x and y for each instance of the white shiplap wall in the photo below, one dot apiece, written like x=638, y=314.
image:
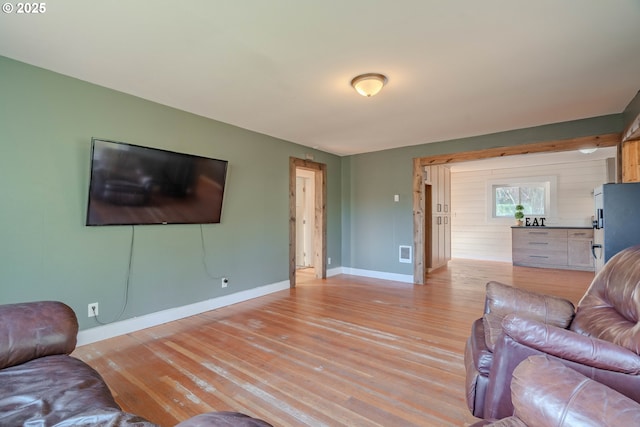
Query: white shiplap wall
x=475, y=236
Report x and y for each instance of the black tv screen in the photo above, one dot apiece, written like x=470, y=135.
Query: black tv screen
x=134, y=185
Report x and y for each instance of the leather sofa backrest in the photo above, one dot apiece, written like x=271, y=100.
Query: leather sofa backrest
x=502, y=300
x=32, y=330
x=610, y=309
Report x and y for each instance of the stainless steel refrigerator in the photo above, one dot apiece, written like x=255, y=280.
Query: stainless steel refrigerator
x=616, y=221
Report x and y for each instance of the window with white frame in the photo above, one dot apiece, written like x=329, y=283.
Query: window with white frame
x=535, y=194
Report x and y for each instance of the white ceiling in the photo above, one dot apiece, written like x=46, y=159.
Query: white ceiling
x=456, y=68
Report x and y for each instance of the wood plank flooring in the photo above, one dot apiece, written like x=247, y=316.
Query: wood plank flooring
x=346, y=351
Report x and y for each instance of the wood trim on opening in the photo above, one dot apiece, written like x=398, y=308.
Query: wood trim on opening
x=606, y=140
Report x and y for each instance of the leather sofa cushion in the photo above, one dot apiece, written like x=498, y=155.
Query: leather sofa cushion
x=223, y=419
x=58, y=391
x=610, y=309
x=505, y=422
x=546, y=393
x=36, y=329
x=503, y=299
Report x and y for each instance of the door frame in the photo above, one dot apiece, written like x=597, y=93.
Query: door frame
x=419, y=270
x=320, y=217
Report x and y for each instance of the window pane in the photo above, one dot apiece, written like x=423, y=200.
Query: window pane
x=533, y=198
x=506, y=200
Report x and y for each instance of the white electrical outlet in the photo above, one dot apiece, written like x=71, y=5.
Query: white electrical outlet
x=92, y=310
x=329, y=260
x=225, y=282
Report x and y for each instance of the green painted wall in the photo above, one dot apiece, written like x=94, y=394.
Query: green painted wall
x=632, y=111
x=46, y=252
x=377, y=225
x=46, y=124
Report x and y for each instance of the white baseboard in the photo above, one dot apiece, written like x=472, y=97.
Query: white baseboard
x=369, y=273
x=88, y=336
x=484, y=258
x=334, y=271
x=406, y=278
x=99, y=333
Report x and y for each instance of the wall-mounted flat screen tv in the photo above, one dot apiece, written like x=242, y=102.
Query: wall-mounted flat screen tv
x=134, y=185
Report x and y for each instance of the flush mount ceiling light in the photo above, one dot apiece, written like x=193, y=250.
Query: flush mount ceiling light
x=587, y=150
x=368, y=84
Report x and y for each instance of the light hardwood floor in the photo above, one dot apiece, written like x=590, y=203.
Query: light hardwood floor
x=346, y=351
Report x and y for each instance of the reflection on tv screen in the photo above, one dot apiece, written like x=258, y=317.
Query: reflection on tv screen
x=131, y=184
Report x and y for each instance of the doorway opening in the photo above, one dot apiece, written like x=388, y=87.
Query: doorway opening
x=421, y=243
x=307, y=225
x=305, y=220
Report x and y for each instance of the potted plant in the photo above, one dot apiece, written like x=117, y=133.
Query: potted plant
x=519, y=215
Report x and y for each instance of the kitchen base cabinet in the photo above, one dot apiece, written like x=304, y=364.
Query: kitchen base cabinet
x=552, y=247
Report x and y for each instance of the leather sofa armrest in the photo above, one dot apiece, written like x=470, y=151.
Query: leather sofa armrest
x=217, y=419
x=503, y=299
x=546, y=393
x=571, y=346
x=35, y=329
x=505, y=422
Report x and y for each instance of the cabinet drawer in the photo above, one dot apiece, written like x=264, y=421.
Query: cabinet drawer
x=581, y=234
x=537, y=245
x=549, y=257
x=539, y=240
x=539, y=233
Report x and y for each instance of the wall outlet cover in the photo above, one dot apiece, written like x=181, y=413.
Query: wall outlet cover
x=92, y=309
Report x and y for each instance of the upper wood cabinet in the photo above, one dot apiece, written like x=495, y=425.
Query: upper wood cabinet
x=437, y=225
x=631, y=161
x=439, y=178
x=631, y=152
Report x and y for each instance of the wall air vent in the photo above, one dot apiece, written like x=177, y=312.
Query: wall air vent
x=405, y=254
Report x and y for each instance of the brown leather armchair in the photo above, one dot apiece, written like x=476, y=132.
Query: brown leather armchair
x=601, y=339
x=41, y=385
x=546, y=393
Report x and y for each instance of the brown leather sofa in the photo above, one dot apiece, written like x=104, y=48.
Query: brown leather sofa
x=546, y=393
x=41, y=385
x=600, y=340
